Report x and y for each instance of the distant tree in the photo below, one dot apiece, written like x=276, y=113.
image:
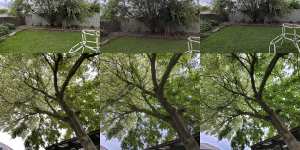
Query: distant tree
x=157, y=15
x=294, y=4
x=223, y=8
x=20, y=7
x=3, y=11
x=258, y=10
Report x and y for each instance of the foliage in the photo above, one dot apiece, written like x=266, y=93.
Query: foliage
x=3, y=30
x=132, y=115
x=158, y=16
x=205, y=8
x=207, y=25
x=20, y=8
x=223, y=8
x=34, y=116
x=294, y=4
x=258, y=10
x=3, y=11
x=10, y=26
x=72, y=10
x=94, y=7
x=220, y=106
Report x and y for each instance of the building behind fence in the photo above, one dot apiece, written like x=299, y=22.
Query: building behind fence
x=11, y=19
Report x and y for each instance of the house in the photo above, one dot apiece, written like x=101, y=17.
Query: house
x=74, y=144
x=4, y=147
x=276, y=142
x=173, y=145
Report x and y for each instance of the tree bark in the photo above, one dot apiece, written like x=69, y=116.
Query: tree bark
x=75, y=124
x=288, y=137
x=178, y=124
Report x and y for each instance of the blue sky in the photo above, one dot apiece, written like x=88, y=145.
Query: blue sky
x=222, y=145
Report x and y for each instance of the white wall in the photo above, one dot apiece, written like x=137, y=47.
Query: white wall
x=35, y=20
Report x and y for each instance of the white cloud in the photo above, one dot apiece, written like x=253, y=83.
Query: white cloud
x=15, y=144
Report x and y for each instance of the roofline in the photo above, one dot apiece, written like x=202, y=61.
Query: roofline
x=170, y=142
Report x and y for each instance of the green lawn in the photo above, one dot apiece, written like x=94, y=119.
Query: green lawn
x=36, y=41
x=140, y=45
x=244, y=39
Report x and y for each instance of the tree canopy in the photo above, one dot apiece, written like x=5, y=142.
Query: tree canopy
x=130, y=109
x=46, y=98
x=229, y=106
x=157, y=15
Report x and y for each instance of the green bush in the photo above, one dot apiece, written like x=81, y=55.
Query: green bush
x=10, y=26
x=294, y=4
x=205, y=26
x=3, y=30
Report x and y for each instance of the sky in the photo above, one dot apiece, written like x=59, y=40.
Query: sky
x=4, y=3
x=15, y=144
x=222, y=145
x=205, y=2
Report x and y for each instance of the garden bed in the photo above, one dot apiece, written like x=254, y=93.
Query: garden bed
x=244, y=38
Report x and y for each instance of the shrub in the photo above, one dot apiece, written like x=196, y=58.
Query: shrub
x=294, y=4
x=10, y=26
x=3, y=30
x=205, y=26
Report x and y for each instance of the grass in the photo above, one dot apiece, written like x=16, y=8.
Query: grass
x=38, y=41
x=244, y=39
x=140, y=45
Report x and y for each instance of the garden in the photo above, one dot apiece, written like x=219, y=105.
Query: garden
x=165, y=28
x=247, y=27
x=51, y=29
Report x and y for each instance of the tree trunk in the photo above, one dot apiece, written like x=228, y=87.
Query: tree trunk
x=288, y=137
x=178, y=124
x=75, y=124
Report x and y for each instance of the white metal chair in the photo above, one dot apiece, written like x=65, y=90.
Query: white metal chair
x=289, y=32
x=90, y=39
x=192, y=40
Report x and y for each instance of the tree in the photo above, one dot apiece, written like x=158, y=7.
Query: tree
x=20, y=8
x=159, y=16
x=44, y=94
x=245, y=102
x=223, y=8
x=147, y=99
x=257, y=10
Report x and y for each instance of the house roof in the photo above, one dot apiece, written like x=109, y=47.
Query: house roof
x=275, y=141
x=74, y=143
x=171, y=145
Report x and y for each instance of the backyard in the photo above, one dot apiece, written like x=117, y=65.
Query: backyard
x=38, y=41
x=129, y=44
x=241, y=38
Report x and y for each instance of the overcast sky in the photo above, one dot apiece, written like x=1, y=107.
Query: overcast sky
x=222, y=145
x=4, y=3
x=205, y=2
x=15, y=144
